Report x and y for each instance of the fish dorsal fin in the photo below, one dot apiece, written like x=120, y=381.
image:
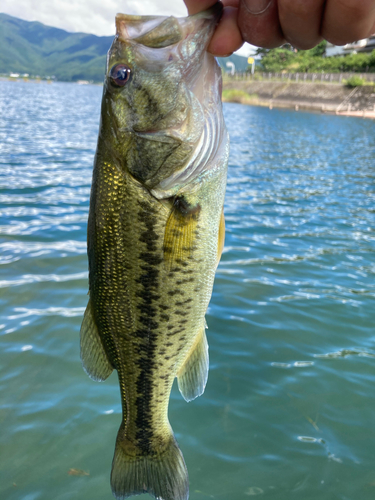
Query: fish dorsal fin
x=94, y=358
x=180, y=232
x=221, y=237
x=192, y=377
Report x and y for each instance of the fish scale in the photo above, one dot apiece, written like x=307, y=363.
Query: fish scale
x=153, y=255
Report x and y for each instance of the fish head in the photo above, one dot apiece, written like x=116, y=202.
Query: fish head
x=159, y=81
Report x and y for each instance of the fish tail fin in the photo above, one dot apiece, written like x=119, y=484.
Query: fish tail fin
x=163, y=475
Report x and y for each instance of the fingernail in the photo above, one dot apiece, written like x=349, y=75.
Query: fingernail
x=257, y=7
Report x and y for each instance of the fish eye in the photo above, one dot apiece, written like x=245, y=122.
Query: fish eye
x=119, y=75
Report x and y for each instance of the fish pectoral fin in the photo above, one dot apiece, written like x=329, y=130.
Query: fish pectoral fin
x=180, y=232
x=192, y=377
x=221, y=237
x=94, y=358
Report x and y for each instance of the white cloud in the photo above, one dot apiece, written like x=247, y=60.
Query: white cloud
x=93, y=16
x=89, y=16
x=246, y=50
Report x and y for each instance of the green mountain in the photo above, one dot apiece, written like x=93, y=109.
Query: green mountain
x=32, y=47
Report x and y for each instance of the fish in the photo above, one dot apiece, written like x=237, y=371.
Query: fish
x=155, y=236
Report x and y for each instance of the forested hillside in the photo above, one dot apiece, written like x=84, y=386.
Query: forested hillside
x=39, y=50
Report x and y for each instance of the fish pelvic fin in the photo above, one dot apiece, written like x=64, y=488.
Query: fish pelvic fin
x=192, y=377
x=94, y=358
x=163, y=475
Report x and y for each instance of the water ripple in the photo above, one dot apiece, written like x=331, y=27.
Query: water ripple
x=290, y=390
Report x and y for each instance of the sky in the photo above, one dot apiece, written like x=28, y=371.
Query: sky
x=92, y=16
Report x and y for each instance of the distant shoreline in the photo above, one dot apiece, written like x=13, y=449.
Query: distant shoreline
x=317, y=97
x=45, y=80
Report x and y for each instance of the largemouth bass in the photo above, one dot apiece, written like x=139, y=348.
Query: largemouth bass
x=155, y=236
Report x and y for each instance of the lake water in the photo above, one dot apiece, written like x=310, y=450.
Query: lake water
x=289, y=409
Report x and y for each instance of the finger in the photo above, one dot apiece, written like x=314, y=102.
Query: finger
x=195, y=6
x=259, y=24
x=348, y=20
x=300, y=21
x=227, y=37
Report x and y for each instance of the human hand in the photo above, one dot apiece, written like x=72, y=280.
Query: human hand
x=302, y=23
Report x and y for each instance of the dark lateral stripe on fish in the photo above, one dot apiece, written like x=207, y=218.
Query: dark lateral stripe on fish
x=149, y=280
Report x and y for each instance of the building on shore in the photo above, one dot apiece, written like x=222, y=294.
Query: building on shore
x=365, y=45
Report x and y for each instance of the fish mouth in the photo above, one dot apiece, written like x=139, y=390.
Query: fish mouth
x=160, y=136
x=186, y=129
x=163, y=31
x=215, y=12
x=167, y=141
x=167, y=135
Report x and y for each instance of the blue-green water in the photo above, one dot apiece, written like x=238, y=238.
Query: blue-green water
x=289, y=409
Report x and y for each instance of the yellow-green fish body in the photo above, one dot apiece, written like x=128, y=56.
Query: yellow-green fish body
x=155, y=236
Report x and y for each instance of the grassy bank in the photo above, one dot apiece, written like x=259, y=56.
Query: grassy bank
x=323, y=97
x=238, y=95
x=292, y=60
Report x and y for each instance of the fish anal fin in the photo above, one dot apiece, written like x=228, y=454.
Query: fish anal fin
x=221, y=237
x=94, y=358
x=192, y=377
x=180, y=232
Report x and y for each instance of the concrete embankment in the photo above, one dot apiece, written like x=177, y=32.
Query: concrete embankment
x=325, y=97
